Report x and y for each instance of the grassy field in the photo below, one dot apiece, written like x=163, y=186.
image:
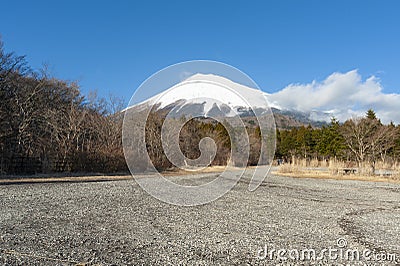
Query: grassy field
x=334, y=170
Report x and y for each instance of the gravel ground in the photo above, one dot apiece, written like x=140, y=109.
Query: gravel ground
x=117, y=223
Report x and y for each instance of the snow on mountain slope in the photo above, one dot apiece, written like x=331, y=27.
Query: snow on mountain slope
x=214, y=93
x=211, y=95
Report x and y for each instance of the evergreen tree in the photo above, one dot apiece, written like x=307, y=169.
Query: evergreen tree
x=371, y=114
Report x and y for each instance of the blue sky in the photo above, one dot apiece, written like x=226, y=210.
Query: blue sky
x=113, y=46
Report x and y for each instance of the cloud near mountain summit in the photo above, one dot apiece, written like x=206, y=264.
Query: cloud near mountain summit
x=344, y=95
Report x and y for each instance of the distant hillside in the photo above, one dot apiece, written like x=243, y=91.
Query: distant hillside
x=289, y=119
x=286, y=122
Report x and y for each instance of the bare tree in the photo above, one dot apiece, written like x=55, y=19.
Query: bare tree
x=368, y=140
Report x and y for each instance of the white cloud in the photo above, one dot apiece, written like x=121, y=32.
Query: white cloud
x=344, y=95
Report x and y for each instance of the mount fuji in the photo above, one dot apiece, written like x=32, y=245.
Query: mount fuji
x=215, y=96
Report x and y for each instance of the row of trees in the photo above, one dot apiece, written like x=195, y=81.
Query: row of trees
x=190, y=136
x=361, y=140
x=47, y=125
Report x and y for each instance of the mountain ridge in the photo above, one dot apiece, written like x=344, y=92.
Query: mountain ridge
x=215, y=96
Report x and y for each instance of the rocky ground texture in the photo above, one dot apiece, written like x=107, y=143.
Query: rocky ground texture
x=117, y=223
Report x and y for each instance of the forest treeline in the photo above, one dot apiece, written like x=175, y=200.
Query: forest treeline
x=360, y=141
x=47, y=125
x=191, y=134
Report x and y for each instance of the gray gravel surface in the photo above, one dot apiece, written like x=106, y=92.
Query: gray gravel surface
x=117, y=223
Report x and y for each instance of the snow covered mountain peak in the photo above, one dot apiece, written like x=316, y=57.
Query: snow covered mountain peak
x=210, y=95
x=214, y=93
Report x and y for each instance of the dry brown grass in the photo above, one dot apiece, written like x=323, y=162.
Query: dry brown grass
x=290, y=169
x=210, y=169
x=334, y=170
